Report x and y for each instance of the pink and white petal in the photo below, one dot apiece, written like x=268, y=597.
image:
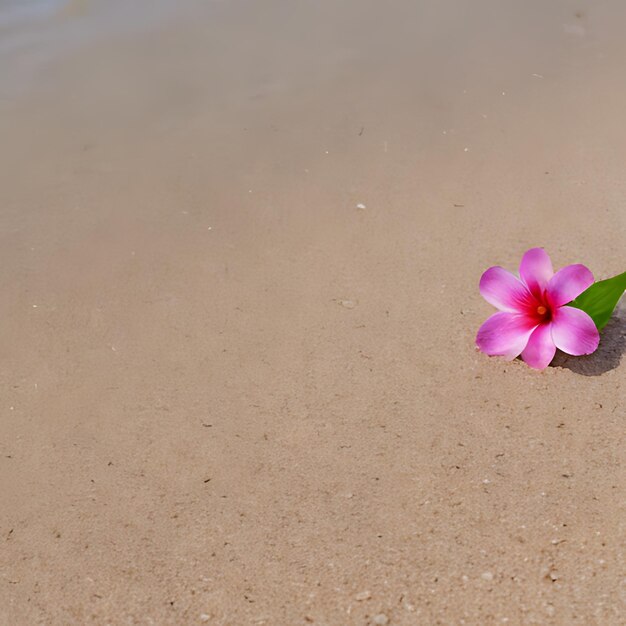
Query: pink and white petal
x=536, y=270
x=568, y=283
x=540, y=349
x=574, y=332
x=505, y=291
x=505, y=334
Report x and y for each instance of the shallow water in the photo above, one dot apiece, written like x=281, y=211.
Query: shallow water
x=35, y=33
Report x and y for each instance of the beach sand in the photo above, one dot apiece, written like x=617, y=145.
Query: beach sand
x=240, y=244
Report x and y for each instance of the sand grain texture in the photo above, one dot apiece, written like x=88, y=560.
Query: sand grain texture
x=229, y=394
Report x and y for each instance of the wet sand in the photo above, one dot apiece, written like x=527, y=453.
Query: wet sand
x=239, y=252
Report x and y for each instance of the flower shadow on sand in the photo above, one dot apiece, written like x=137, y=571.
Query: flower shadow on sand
x=609, y=353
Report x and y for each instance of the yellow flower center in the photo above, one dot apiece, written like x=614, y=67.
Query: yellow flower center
x=541, y=310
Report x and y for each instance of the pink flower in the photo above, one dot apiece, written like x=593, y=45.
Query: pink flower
x=533, y=320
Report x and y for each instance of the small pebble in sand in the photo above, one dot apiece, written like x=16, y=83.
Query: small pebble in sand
x=380, y=620
x=465, y=149
x=363, y=595
x=487, y=576
x=348, y=304
x=360, y=205
x=204, y=617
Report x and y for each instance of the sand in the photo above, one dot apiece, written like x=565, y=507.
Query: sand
x=239, y=252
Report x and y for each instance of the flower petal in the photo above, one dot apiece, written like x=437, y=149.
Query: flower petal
x=568, y=283
x=540, y=349
x=574, y=332
x=505, y=334
x=536, y=270
x=504, y=290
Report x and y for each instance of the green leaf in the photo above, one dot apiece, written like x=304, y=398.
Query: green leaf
x=601, y=298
